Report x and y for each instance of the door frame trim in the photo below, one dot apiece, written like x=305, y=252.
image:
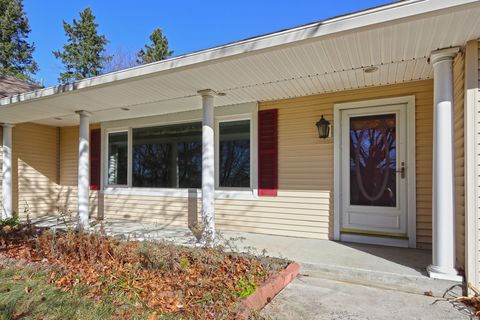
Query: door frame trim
x=411, y=169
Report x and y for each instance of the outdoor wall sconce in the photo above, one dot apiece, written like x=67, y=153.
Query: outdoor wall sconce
x=323, y=127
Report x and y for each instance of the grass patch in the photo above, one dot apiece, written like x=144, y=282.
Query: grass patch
x=27, y=294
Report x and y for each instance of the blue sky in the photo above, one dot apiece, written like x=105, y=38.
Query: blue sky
x=189, y=25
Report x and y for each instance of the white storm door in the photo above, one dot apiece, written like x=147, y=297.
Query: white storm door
x=373, y=171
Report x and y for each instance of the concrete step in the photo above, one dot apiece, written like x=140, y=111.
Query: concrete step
x=418, y=284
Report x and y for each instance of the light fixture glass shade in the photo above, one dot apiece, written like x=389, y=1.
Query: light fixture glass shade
x=323, y=127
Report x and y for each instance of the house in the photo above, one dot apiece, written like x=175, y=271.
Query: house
x=363, y=128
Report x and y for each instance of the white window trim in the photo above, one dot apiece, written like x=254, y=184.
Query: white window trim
x=253, y=151
x=229, y=113
x=105, y=162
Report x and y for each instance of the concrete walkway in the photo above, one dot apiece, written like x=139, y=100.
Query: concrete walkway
x=310, y=298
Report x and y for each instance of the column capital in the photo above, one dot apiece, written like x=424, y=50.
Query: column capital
x=210, y=93
x=83, y=113
x=443, y=54
x=207, y=92
x=8, y=125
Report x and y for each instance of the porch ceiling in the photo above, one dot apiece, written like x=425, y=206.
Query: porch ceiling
x=332, y=61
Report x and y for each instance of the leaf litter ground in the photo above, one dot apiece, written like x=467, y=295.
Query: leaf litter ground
x=129, y=279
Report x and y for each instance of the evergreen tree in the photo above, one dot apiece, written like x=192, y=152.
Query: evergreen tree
x=15, y=52
x=157, y=51
x=84, y=55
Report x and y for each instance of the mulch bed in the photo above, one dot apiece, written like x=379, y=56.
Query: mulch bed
x=163, y=278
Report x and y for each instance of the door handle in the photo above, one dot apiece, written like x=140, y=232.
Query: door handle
x=402, y=170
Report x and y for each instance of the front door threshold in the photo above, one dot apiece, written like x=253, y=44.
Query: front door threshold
x=378, y=240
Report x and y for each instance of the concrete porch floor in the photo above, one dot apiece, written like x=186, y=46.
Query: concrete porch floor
x=378, y=266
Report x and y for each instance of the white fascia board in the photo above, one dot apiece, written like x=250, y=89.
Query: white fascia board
x=366, y=18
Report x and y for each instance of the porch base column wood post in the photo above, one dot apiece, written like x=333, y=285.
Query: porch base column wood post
x=83, y=170
x=443, y=191
x=7, y=188
x=208, y=166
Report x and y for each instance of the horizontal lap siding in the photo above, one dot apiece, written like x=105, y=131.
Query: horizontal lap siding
x=34, y=169
x=458, y=92
x=300, y=213
x=306, y=165
x=162, y=211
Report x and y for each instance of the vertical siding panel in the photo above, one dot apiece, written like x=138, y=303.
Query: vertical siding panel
x=458, y=93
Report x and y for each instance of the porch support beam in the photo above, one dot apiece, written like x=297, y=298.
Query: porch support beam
x=7, y=180
x=208, y=165
x=83, y=170
x=443, y=196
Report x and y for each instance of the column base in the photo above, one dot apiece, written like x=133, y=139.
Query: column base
x=436, y=272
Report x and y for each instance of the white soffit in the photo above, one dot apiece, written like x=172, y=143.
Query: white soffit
x=329, y=63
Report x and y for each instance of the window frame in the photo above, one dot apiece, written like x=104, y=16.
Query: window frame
x=248, y=111
x=105, y=158
x=232, y=118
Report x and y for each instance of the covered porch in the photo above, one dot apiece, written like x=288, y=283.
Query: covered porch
x=304, y=73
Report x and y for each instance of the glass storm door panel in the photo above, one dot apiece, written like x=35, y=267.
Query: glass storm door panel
x=373, y=161
x=373, y=171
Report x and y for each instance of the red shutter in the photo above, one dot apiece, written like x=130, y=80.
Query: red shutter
x=267, y=152
x=95, y=159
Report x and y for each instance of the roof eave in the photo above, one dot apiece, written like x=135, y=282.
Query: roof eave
x=354, y=21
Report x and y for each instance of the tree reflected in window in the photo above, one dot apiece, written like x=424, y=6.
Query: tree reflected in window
x=373, y=160
x=167, y=156
x=234, y=154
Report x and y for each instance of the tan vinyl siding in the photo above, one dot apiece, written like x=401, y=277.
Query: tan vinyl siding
x=34, y=169
x=35, y=151
x=166, y=211
x=304, y=205
x=306, y=162
x=300, y=213
x=458, y=93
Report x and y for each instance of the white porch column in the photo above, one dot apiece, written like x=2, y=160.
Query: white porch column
x=7, y=188
x=443, y=196
x=208, y=165
x=83, y=170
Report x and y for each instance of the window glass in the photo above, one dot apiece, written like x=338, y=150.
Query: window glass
x=190, y=164
x=373, y=160
x=117, y=158
x=167, y=156
x=234, y=154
